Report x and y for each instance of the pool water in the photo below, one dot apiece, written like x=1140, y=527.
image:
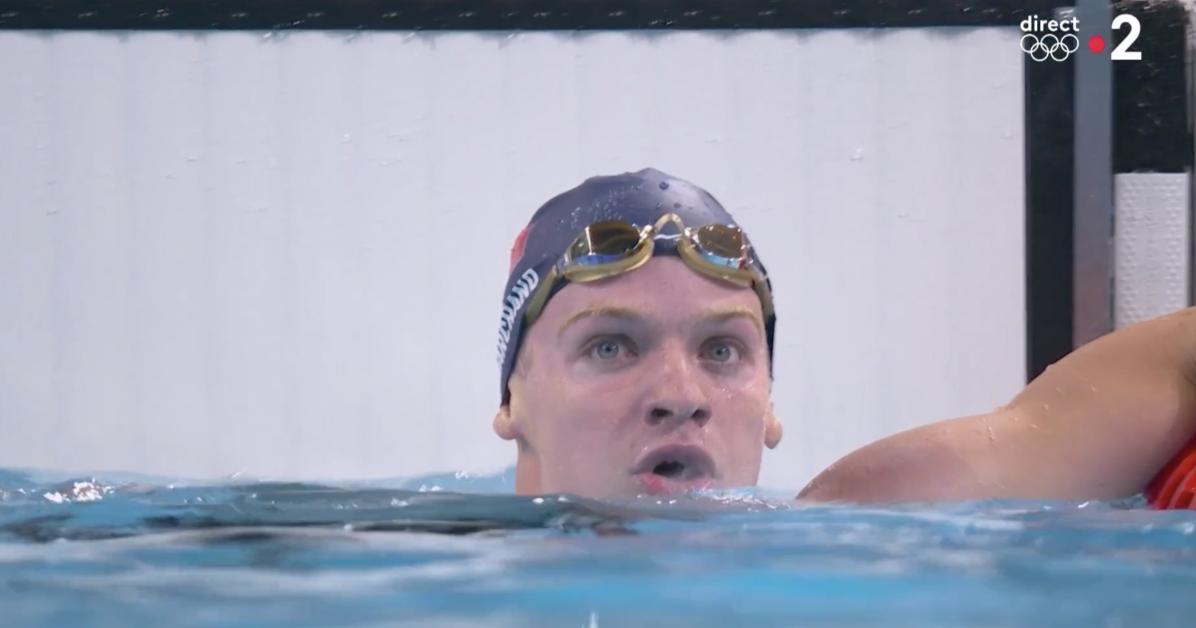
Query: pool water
x=109, y=551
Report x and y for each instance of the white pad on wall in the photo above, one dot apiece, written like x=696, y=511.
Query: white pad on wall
x=1151, y=245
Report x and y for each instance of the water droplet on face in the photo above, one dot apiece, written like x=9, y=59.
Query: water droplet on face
x=664, y=185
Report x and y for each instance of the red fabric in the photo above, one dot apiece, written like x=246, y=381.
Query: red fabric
x=517, y=248
x=1175, y=486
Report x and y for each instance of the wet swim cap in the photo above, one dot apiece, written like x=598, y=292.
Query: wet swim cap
x=639, y=198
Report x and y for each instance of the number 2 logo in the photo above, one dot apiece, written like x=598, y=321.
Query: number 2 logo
x=1122, y=52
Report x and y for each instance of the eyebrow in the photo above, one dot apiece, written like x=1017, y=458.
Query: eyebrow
x=710, y=316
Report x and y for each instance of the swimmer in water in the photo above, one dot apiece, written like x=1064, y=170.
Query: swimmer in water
x=635, y=345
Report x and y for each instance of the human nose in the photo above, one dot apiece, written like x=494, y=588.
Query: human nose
x=677, y=394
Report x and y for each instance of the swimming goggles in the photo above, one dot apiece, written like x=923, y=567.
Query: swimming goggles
x=613, y=247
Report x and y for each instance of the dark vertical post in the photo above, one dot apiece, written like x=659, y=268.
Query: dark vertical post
x=1050, y=167
x=1092, y=313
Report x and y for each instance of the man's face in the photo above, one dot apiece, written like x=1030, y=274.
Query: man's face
x=654, y=381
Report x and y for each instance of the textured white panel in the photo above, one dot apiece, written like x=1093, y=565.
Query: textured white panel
x=1151, y=245
x=283, y=255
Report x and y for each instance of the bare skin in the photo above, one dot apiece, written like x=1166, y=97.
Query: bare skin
x=1098, y=424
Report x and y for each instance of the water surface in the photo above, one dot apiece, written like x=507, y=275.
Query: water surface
x=108, y=551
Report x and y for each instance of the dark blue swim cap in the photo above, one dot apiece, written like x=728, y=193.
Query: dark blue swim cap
x=639, y=198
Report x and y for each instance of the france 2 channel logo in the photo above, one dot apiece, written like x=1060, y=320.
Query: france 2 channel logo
x=1058, y=39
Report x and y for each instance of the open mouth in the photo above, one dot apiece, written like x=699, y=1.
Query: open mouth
x=675, y=468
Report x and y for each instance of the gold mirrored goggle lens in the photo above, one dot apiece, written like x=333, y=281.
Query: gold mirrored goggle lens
x=721, y=252
x=725, y=244
x=605, y=249
x=604, y=242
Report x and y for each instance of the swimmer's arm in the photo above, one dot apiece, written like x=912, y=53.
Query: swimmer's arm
x=1098, y=424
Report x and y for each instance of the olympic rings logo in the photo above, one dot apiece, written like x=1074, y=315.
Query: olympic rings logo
x=1049, y=46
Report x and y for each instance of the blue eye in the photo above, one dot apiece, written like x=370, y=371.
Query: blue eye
x=605, y=350
x=722, y=351
x=610, y=349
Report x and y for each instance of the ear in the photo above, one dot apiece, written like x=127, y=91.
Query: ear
x=772, y=429
x=504, y=424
